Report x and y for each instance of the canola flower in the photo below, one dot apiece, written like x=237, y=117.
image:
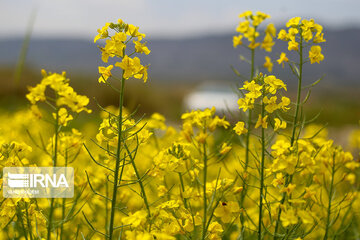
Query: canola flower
x=267, y=175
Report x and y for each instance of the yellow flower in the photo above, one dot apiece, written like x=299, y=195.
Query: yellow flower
x=218, y=122
x=240, y=128
x=201, y=137
x=169, y=204
x=246, y=103
x=253, y=45
x=36, y=111
x=251, y=34
x=273, y=84
x=226, y=210
x=305, y=217
x=137, y=235
x=352, y=165
x=285, y=102
x=262, y=122
x=237, y=190
x=141, y=47
x=37, y=93
x=245, y=14
x=253, y=88
x=280, y=148
x=119, y=38
x=307, y=35
x=268, y=43
x=288, y=217
x=283, y=35
x=105, y=73
x=108, y=51
x=143, y=73
x=270, y=29
x=103, y=32
x=282, y=59
x=132, y=30
x=319, y=38
x=215, y=229
x=307, y=24
x=289, y=189
x=156, y=121
x=237, y=40
x=351, y=178
x=225, y=149
x=292, y=45
x=293, y=22
x=132, y=68
x=271, y=105
x=268, y=64
x=279, y=124
x=262, y=15
x=164, y=236
x=259, y=17
x=292, y=33
x=243, y=27
x=315, y=54
x=135, y=219
x=64, y=117
x=128, y=65
x=279, y=180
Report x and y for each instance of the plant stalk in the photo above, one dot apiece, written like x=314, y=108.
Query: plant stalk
x=54, y=165
x=247, y=146
x=330, y=200
x=117, y=164
x=204, y=192
x=262, y=166
x=289, y=178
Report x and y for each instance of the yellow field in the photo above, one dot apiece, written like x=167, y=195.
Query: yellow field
x=266, y=172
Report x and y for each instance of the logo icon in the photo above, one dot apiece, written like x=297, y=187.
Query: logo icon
x=18, y=180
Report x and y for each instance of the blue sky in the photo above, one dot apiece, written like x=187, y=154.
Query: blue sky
x=162, y=18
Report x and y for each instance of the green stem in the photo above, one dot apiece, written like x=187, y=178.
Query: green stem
x=19, y=215
x=182, y=190
x=54, y=165
x=288, y=179
x=28, y=221
x=262, y=165
x=140, y=183
x=247, y=149
x=204, y=191
x=250, y=111
x=63, y=204
x=298, y=92
x=330, y=200
x=117, y=164
x=107, y=209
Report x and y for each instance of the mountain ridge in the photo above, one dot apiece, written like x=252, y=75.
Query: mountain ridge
x=202, y=58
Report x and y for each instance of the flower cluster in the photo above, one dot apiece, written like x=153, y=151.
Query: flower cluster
x=63, y=95
x=266, y=89
x=300, y=31
x=116, y=46
x=248, y=30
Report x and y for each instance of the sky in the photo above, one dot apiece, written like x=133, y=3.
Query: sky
x=162, y=18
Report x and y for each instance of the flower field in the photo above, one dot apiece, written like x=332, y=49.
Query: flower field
x=265, y=171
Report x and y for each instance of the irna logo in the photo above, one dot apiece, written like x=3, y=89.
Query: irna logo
x=38, y=182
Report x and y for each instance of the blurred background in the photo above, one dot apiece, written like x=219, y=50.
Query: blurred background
x=191, y=52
